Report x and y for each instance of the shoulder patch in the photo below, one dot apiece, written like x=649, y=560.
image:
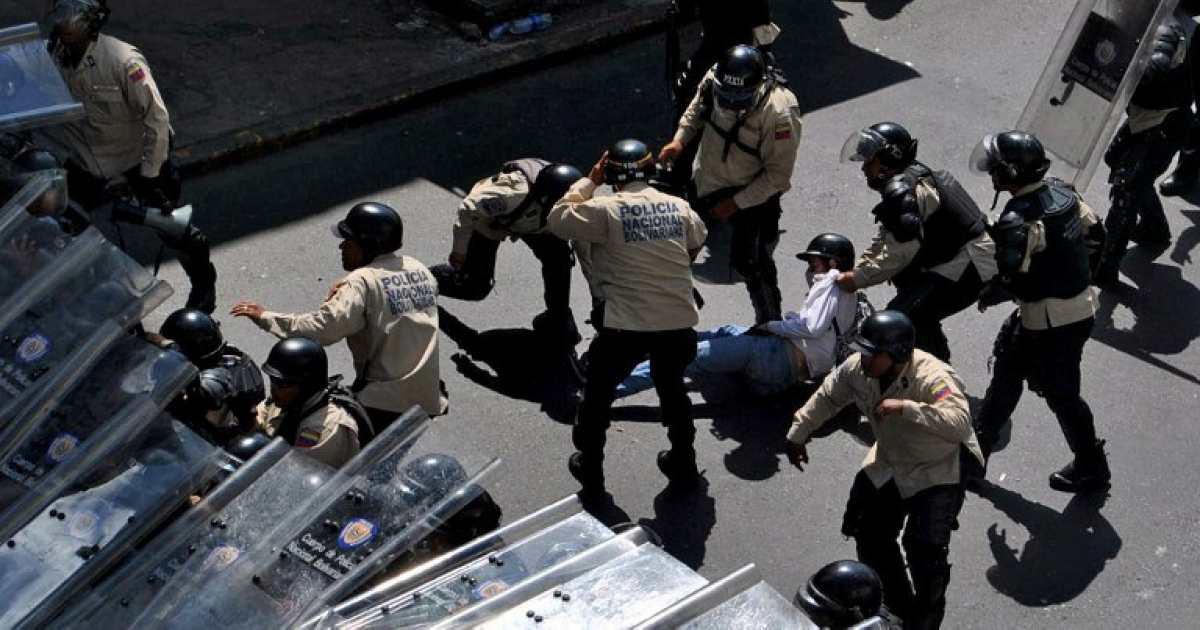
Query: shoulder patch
x=308, y=438
x=941, y=390
x=134, y=71
x=783, y=131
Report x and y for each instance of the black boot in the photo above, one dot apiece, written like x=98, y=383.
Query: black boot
x=1088, y=471
x=680, y=470
x=1181, y=181
x=558, y=325
x=588, y=471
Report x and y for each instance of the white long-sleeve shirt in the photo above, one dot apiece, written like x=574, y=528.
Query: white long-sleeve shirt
x=812, y=329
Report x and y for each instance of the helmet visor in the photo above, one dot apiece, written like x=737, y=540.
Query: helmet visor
x=736, y=98
x=72, y=14
x=862, y=145
x=864, y=346
x=984, y=157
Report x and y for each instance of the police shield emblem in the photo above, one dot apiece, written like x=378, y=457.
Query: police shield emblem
x=358, y=532
x=61, y=448
x=32, y=348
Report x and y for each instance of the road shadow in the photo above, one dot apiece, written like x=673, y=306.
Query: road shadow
x=684, y=519
x=884, y=9
x=1189, y=238
x=1156, y=330
x=1064, y=554
x=756, y=425
x=518, y=363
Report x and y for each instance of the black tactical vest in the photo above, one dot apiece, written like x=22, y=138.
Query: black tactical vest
x=1061, y=269
x=958, y=220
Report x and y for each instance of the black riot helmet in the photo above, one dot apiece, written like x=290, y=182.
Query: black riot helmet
x=831, y=246
x=1012, y=158
x=553, y=182
x=841, y=594
x=245, y=446
x=374, y=226
x=887, y=331
x=197, y=335
x=738, y=75
x=72, y=14
x=298, y=361
x=628, y=160
x=887, y=142
x=430, y=478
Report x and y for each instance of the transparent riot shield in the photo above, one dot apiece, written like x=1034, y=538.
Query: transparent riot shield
x=432, y=592
x=114, y=400
x=53, y=332
x=222, y=527
x=347, y=531
x=738, y=601
x=34, y=93
x=617, y=594
x=119, y=502
x=1082, y=93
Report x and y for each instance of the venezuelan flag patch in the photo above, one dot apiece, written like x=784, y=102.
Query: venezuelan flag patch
x=308, y=438
x=941, y=392
x=134, y=71
x=783, y=131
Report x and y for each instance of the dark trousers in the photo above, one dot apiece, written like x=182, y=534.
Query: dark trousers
x=1049, y=361
x=475, y=280
x=752, y=254
x=928, y=298
x=611, y=357
x=1137, y=161
x=90, y=192
x=875, y=518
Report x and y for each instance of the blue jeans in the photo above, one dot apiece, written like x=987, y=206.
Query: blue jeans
x=763, y=359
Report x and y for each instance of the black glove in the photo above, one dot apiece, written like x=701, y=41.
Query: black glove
x=995, y=292
x=154, y=192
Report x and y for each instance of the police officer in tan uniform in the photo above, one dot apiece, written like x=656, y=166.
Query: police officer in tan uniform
x=126, y=131
x=642, y=243
x=932, y=242
x=912, y=477
x=751, y=124
x=305, y=408
x=511, y=205
x=385, y=309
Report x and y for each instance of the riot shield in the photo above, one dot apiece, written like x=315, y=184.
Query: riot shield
x=125, y=389
x=738, y=601
x=53, y=332
x=442, y=587
x=328, y=545
x=33, y=92
x=85, y=531
x=1091, y=75
x=225, y=525
x=617, y=594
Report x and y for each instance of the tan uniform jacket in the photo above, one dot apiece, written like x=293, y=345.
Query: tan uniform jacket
x=1055, y=312
x=773, y=129
x=638, y=257
x=127, y=123
x=919, y=448
x=885, y=256
x=387, y=313
x=491, y=198
x=328, y=434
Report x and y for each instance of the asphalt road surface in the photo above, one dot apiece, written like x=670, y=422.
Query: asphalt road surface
x=951, y=71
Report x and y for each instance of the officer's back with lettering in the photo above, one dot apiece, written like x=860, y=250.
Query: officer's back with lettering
x=640, y=243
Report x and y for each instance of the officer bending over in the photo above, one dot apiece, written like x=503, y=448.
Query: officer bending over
x=1042, y=252
x=911, y=479
x=751, y=125
x=306, y=408
x=512, y=204
x=220, y=402
x=779, y=355
x=642, y=243
x=932, y=241
x=385, y=309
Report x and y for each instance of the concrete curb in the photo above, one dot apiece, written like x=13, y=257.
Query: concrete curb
x=494, y=62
